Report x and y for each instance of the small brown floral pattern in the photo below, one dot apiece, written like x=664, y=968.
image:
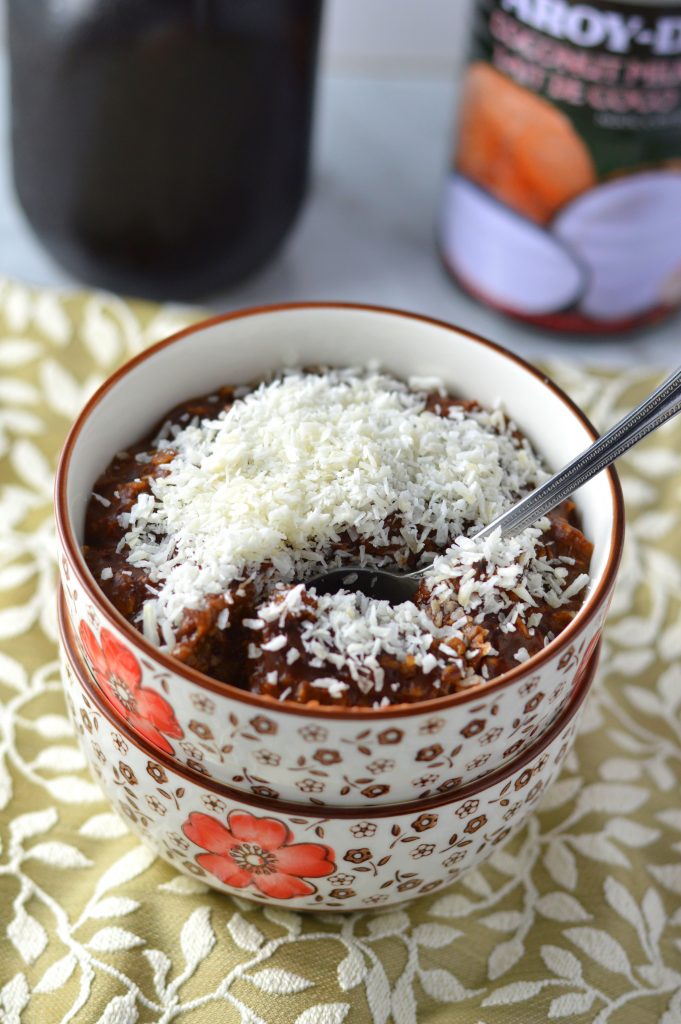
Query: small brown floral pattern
x=342, y=894
x=423, y=850
x=568, y=660
x=473, y=727
x=340, y=879
x=466, y=808
x=120, y=744
x=156, y=772
x=127, y=773
x=534, y=793
x=390, y=736
x=448, y=785
x=267, y=757
x=358, y=856
x=429, y=753
x=266, y=791
x=213, y=802
x=433, y=725
x=191, y=750
x=373, y=792
x=179, y=841
x=314, y=733
x=533, y=703
x=155, y=804
x=310, y=786
x=201, y=730
x=264, y=726
x=363, y=829
x=327, y=757
x=478, y=762
x=203, y=703
x=424, y=822
x=411, y=883
x=490, y=736
x=425, y=780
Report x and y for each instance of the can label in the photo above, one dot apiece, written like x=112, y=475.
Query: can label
x=564, y=201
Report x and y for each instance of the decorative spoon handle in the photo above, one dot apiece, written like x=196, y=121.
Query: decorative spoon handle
x=656, y=409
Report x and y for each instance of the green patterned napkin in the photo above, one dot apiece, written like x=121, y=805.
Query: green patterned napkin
x=577, y=919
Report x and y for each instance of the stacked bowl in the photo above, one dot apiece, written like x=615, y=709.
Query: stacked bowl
x=318, y=806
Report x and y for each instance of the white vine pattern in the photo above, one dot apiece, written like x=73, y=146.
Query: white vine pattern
x=578, y=919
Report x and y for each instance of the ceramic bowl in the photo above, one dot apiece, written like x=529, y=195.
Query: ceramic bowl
x=323, y=755
x=327, y=859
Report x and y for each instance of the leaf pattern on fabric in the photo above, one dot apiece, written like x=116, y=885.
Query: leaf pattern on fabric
x=578, y=919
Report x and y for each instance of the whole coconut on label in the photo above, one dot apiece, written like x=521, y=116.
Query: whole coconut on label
x=478, y=235
x=518, y=146
x=627, y=231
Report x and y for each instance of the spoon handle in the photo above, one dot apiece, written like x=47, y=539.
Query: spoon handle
x=656, y=409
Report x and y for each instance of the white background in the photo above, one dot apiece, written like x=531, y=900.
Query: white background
x=383, y=35
x=404, y=37
x=383, y=137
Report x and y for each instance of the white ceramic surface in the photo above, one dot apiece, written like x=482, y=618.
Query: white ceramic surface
x=326, y=756
x=282, y=853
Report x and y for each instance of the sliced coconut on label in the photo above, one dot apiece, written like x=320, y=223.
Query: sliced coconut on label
x=628, y=232
x=509, y=259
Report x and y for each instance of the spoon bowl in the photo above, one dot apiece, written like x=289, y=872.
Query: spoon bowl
x=381, y=584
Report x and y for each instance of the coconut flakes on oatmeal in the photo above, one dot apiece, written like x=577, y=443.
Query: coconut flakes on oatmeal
x=351, y=631
x=502, y=577
x=266, y=488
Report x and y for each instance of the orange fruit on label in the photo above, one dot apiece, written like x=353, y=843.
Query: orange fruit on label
x=518, y=146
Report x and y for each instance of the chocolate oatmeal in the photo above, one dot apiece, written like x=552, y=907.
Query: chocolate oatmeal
x=203, y=535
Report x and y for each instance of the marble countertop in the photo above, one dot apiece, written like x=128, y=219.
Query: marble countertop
x=367, y=232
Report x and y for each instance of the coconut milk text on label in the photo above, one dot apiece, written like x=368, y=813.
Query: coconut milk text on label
x=563, y=205
x=588, y=26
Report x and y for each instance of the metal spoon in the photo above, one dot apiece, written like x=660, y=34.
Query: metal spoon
x=396, y=587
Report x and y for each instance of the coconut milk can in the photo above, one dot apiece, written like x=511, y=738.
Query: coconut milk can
x=563, y=203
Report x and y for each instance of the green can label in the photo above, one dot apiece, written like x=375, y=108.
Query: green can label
x=564, y=204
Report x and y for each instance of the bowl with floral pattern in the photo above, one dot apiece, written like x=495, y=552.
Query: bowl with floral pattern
x=277, y=852
x=309, y=753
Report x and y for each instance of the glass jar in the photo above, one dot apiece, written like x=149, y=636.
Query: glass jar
x=161, y=146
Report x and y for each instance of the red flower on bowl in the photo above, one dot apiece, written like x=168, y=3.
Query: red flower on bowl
x=117, y=673
x=258, y=851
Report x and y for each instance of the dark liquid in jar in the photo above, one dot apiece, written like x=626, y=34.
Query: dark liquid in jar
x=161, y=146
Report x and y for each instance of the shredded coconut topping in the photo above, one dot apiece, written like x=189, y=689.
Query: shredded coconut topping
x=497, y=576
x=273, y=486
x=352, y=631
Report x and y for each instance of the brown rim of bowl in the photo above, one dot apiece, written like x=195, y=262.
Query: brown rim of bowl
x=77, y=563
x=582, y=686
